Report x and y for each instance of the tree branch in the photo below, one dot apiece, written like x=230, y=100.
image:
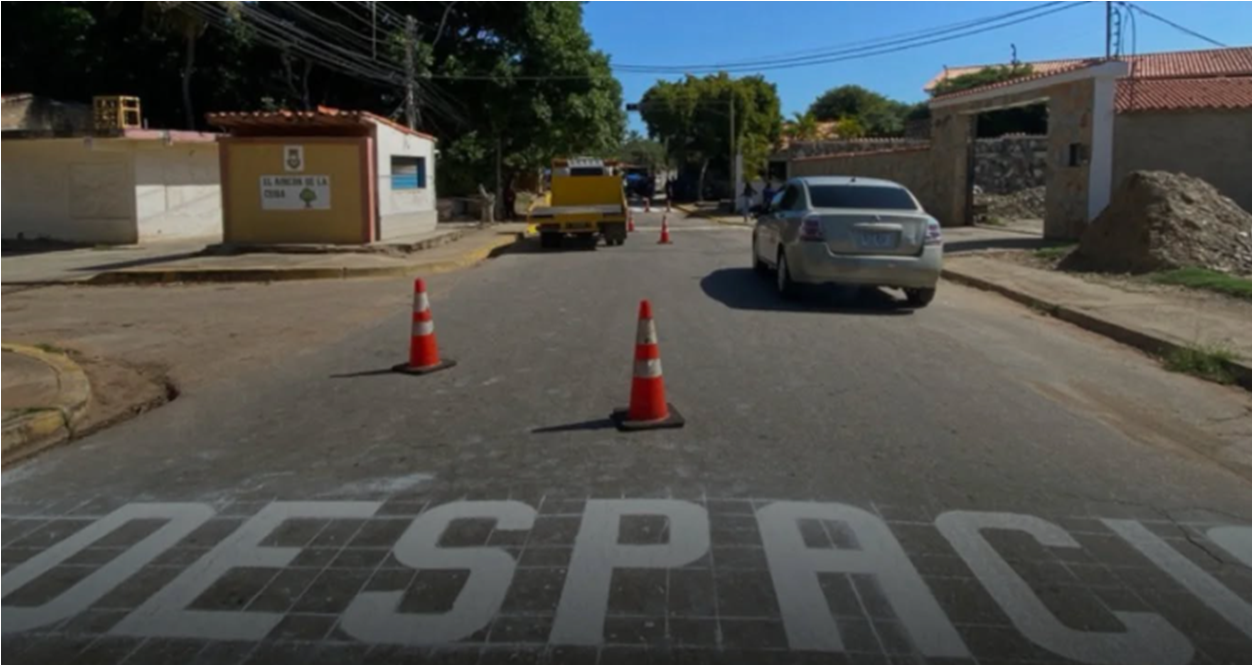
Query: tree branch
x=439, y=32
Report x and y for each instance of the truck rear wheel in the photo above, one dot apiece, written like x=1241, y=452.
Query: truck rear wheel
x=614, y=234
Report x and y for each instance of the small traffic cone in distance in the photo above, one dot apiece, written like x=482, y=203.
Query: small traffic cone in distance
x=423, y=349
x=665, y=231
x=630, y=223
x=648, y=408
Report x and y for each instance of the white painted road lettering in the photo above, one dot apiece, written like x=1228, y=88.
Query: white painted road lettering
x=1223, y=601
x=794, y=568
x=1149, y=637
x=183, y=519
x=165, y=613
x=584, y=598
x=374, y=616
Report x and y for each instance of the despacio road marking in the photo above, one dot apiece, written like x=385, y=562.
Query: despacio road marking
x=861, y=545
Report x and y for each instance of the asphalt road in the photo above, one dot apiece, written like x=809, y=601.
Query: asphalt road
x=969, y=482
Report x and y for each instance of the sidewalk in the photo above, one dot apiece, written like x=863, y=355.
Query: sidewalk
x=45, y=397
x=1153, y=322
x=446, y=248
x=82, y=264
x=709, y=210
x=316, y=263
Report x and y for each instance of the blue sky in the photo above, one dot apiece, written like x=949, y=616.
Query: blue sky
x=665, y=33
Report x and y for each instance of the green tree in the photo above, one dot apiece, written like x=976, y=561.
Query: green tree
x=693, y=117
x=547, y=93
x=803, y=126
x=643, y=151
x=994, y=74
x=178, y=18
x=849, y=127
x=877, y=114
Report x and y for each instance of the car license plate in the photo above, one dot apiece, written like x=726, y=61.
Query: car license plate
x=876, y=240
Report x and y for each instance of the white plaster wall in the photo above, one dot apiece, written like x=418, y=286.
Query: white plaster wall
x=177, y=191
x=68, y=189
x=404, y=212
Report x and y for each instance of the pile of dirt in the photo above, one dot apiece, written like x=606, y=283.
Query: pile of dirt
x=1025, y=204
x=1159, y=221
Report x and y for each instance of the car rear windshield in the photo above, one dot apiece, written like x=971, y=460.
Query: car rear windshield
x=861, y=196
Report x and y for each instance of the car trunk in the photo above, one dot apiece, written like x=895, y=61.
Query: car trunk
x=869, y=232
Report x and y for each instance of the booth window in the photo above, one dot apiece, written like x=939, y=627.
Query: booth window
x=408, y=173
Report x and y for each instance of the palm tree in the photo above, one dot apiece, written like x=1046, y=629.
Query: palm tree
x=804, y=126
x=178, y=18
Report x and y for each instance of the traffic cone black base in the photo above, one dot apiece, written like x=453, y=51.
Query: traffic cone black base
x=444, y=364
x=674, y=420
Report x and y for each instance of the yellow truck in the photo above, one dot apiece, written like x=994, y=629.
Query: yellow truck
x=585, y=200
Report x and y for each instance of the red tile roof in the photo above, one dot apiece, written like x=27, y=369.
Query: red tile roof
x=1234, y=61
x=1169, y=94
x=1033, y=76
x=322, y=116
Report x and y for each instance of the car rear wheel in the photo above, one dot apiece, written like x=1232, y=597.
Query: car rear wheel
x=783, y=277
x=919, y=298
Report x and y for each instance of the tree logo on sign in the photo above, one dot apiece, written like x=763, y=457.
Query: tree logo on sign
x=308, y=196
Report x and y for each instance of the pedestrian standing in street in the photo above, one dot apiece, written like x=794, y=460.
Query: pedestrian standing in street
x=669, y=192
x=511, y=201
x=748, y=199
x=767, y=194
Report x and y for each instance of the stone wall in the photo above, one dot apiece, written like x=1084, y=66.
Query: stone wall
x=801, y=149
x=1070, y=124
x=1010, y=163
x=1210, y=145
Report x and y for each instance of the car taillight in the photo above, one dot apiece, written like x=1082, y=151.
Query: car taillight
x=811, y=229
x=933, y=235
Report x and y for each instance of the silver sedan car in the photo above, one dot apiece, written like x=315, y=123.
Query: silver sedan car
x=849, y=230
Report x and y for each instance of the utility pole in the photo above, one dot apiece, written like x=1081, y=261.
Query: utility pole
x=374, y=30
x=735, y=184
x=411, y=103
x=1109, y=32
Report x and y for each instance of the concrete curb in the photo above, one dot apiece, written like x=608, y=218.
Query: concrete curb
x=47, y=426
x=169, y=276
x=229, y=249
x=1146, y=342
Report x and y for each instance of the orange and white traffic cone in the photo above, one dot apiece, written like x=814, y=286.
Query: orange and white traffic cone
x=630, y=223
x=423, y=350
x=648, y=408
x=665, y=231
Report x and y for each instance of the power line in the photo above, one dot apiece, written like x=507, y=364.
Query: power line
x=848, y=54
x=1176, y=26
x=265, y=30
x=851, y=47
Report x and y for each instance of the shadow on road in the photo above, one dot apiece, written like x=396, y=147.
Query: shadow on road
x=744, y=289
x=364, y=373
x=532, y=246
x=594, y=424
x=145, y=261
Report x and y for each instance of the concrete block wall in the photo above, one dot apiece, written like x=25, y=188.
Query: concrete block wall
x=1210, y=145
